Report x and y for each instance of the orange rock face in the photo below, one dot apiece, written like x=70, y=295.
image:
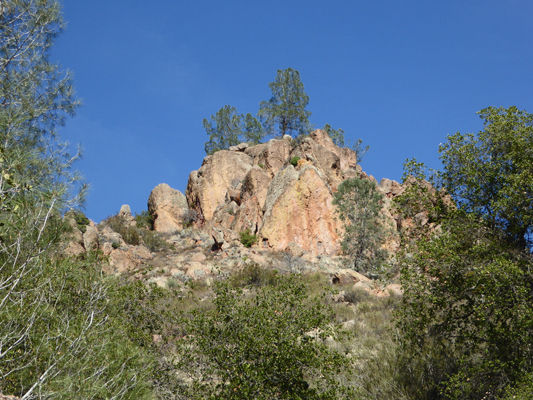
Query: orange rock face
x=299, y=209
x=208, y=186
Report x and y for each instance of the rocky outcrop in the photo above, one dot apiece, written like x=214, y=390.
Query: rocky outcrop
x=272, y=156
x=299, y=209
x=347, y=157
x=167, y=207
x=74, y=240
x=259, y=188
x=207, y=187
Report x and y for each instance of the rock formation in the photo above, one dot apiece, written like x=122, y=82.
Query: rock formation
x=167, y=207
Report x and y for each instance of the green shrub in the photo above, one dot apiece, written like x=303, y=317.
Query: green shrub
x=261, y=165
x=260, y=346
x=254, y=275
x=144, y=220
x=115, y=245
x=294, y=160
x=134, y=236
x=81, y=220
x=247, y=239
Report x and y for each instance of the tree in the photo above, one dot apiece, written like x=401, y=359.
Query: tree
x=285, y=113
x=359, y=206
x=491, y=173
x=228, y=128
x=55, y=338
x=267, y=344
x=466, y=316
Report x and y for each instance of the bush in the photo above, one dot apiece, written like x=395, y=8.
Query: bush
x=189, y=217
x=81, y=220
x=467, y=311
x=254, y=275
x=247, y=239
x=294, y=160
x=269, y=345
x=144, y=220
x=134, y=236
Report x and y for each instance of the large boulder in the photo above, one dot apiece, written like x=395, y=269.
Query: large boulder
x=207, y=187
x=299, y=209
x=167, y=207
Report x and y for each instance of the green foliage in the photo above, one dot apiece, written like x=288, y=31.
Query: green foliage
x=228, y=128
x=358, y=207
x=360, y=151
x=269, y=345
x=59, y=340
x=248, y=239
x=467, y=313
x=285, y=113
x=254, y=275
x=420, y=205
x=491, y=173
x=294, y=160
x=261, y=165
x=133, y=235
x=81, y=220
x=144, y=220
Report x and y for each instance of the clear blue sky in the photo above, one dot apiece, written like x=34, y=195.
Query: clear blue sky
x=401, y=75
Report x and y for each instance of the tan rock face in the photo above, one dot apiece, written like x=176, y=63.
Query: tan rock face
x=207, y=187
x=167, y=206
x=347, y=157
x=299, y=209
x=273, y=156
x=253, y=195
x=323, y=159
x=90, y=238
x=74, y=240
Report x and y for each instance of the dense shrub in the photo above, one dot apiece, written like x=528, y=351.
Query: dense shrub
x=144, y=220
x=247, y=239
x=254, y=275
x=133, y=235
x=294, y=160
x=269, y=345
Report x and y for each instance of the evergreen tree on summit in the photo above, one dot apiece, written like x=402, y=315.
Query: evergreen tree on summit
x=285, y=113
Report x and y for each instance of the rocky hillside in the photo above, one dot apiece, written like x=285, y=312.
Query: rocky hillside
x=280, y=193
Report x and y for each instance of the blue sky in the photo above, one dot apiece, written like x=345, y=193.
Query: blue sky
x=401, y=75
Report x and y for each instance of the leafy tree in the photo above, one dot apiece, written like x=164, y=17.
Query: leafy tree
x=228, y=128
x=267, y=345
x=359, y=206
x=467, y=312
x=56, y=340
x=285, y=113
x=491, y=173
